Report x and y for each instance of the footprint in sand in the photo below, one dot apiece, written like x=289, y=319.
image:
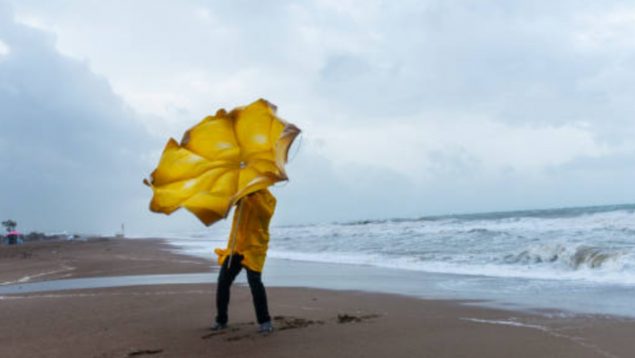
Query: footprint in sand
x=282, y=323
x=346, y=318
x=144, y=352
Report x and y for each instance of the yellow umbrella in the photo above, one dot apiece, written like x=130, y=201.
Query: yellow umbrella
x=220, y=160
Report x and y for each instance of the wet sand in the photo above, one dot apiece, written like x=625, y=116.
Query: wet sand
x=172, y=320
x=48, y=260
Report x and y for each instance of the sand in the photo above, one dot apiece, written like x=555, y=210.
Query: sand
x=173, y=320
x=47, y=260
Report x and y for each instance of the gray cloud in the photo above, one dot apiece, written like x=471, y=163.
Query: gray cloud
x=519, y=64
x=71, y=150
x=319, y=192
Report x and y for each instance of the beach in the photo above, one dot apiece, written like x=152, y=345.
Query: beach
x=172, y=320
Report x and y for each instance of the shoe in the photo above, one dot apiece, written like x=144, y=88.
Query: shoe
x=218, y=326
x=266, y=327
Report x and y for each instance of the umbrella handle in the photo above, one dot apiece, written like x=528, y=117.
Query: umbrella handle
x=235, y=233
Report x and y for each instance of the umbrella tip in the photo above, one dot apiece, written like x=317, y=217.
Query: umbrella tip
x=273, y=107
x=186, y=138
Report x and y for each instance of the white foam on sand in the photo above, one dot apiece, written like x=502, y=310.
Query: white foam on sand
x=554, y=333
x=506, y=323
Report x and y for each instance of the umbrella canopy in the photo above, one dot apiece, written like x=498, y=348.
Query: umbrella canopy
x=220, y=160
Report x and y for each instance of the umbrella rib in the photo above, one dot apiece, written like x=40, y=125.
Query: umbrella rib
x=194, y=176
x=252, y=154
x=235, y=131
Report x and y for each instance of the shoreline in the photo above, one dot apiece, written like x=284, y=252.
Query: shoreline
x=499, y=292
x=172, y=320
x=125, y=261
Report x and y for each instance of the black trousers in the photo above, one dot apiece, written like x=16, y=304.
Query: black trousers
x=226, y=278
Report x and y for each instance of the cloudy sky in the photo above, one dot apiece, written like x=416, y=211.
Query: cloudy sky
x=408, y=108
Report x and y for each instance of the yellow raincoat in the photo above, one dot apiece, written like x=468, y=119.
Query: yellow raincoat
x=250, y=228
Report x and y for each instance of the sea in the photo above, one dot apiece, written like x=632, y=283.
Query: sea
x=571, y=259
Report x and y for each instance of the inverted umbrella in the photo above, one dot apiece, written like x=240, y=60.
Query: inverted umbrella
x=220, y=160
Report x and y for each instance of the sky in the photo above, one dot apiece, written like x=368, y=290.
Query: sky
x=408, y=108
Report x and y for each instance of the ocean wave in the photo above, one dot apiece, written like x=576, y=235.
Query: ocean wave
x=594, y=257
x=516, y=215
x=580, y=257
x=535, y=256
x=550, y=273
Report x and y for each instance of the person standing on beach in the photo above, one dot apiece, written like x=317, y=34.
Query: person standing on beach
x=247, y=247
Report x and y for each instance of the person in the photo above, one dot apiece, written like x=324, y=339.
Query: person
x=246, y=248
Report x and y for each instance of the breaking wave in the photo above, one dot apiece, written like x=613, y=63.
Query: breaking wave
x=587, y=257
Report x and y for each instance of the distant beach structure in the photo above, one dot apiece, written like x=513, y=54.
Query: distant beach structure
x=13, y=238
x=122, y=233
